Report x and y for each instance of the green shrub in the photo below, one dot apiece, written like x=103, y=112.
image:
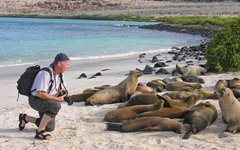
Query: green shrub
x=223, y=53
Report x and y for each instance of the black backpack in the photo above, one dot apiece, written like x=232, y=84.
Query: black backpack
x=26, y=80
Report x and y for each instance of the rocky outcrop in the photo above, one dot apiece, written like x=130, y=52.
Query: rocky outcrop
x=205, y=31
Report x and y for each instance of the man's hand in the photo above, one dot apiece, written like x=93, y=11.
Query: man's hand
x=45, y=95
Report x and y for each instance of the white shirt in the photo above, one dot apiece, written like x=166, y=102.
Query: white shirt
x=42, y=83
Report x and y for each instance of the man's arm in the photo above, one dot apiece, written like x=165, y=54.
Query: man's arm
x=45, y=95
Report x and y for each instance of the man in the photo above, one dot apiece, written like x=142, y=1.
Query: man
x=45, y=97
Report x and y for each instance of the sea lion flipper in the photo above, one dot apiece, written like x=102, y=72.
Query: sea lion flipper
x=187, y=134
x=224, y=134
x=114, y=126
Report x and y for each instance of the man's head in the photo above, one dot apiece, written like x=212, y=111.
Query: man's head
x=61, y=63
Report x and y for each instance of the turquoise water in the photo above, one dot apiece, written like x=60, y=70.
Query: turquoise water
x=29, y=40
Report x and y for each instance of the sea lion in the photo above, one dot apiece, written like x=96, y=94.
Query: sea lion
x=199, y=118
x=81, y=97
x=206, y=94
x=230, y=107
x=168, y=110
x=182, y=86
x=189, y=70
x=158, y=87
x=141, y=99
x=187, y=103
x=159, y=81
x=234, y=83
x=130, y=112
x=147, y=124
x=221, y=84
x=236, y=92
x=168, y=80
x=181, y=95
x=145, y=99
x=193, y=78
x=145, y=89
x=116, y=93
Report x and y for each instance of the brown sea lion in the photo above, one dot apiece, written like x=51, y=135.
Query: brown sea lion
x=230, y=108
x=145, y=89
x=116, y=93
x=189, y=70
x=147, y=124
x=158, y=87
x=168, y=110
x=181, y=95
x=206, y=94
x=81, y=97
x=187, y=103
x=221, y=84
x=130, y=112
x=236, y=92
x=168, y=80
x=159, y=81
x=199, y=118
x=141, y=99
x=182, y=86
x=234, y=83
x=145, y=99
x=193, y=78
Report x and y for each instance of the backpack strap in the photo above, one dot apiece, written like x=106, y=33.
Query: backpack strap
x=51, y=79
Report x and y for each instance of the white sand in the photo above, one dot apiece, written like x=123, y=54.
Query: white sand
x=82, y=127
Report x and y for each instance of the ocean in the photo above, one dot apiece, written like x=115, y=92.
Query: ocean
x=32, y=40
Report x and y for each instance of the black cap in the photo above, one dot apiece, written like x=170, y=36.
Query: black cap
x=59, y=57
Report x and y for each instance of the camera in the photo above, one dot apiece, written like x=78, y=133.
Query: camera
x=62, y=93
x=68, y=100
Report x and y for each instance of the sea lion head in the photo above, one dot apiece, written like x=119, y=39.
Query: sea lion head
x=177, y=79
x=89, y=102
x=176, y=71
x=220, y=92
x=201, y=80
x=136, y=73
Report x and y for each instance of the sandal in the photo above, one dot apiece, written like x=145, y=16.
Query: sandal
x=22, y=119
x=41, y=136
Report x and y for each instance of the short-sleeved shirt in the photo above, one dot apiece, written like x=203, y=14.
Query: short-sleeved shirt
x=42, y=83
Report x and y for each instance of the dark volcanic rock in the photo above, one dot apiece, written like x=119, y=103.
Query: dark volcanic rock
x=83, y=75
x=203, y=30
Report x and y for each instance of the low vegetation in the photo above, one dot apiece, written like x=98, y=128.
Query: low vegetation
x=223, y=53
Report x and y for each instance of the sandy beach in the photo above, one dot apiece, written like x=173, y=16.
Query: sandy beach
x=82, y=127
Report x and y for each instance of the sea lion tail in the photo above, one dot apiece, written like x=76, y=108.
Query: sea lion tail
x=114, y=126
x=187, y=134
